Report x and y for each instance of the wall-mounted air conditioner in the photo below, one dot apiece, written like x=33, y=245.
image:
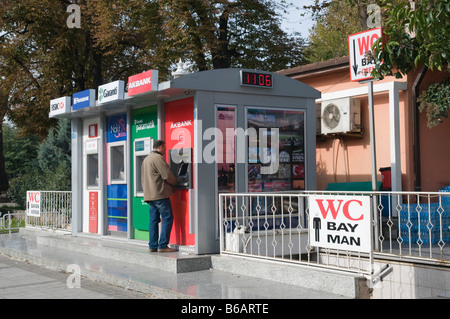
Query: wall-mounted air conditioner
x=341, y=116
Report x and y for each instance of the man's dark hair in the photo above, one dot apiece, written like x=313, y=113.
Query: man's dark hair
x=158, y=144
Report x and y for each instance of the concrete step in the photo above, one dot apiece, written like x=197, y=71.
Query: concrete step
x=330, y=281
x=128, y=264
x=123, y=250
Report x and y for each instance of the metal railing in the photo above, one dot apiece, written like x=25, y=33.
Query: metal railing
x=413, y=227
x=10, y=222
x=55, y=211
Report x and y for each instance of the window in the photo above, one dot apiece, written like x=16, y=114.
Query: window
x=226, y=163
x=287, y=127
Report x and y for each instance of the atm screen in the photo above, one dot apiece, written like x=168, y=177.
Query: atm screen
x=180, y=165
x=183, y=169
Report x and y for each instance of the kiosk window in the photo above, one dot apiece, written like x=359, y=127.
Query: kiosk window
x=226, y=159
x=117, y=162
x=290, y=173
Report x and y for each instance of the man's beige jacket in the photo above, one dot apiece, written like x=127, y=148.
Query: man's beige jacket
x=156, y=177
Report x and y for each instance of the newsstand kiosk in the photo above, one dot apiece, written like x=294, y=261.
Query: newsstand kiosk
x=204, y=118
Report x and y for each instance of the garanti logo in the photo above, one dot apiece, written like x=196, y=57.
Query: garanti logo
x=110, y=92
x=103, y=93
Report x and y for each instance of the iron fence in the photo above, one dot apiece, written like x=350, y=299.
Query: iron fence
x=12, y=221
x=405, y=226
x=55, y=211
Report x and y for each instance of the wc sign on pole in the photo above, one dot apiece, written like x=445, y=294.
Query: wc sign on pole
x=360, y=54
x=340, y=222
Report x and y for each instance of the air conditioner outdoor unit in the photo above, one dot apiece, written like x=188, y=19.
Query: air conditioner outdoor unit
x=341, y=116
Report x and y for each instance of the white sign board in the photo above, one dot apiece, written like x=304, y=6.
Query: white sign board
x=111, y=91
x=361, y=54
x=60, y=106
x=340, y=222
x=33, y=203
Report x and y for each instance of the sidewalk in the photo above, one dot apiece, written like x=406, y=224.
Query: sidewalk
x=22, y=280
x=127, y=265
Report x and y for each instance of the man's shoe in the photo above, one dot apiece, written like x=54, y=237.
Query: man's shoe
x=153, y=250
x=166, y=250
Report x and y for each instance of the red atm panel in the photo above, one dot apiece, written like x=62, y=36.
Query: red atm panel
x=179, y=133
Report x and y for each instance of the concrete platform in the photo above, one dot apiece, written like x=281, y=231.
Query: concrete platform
x=129, y=264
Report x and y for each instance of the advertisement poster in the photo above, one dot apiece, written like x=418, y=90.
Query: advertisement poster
x=226, y=159
x=291, y=159
x=93, y=212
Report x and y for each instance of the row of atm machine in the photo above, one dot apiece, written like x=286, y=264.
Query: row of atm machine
x=114, y=127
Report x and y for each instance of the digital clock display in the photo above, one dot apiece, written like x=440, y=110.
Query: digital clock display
x=256, y=79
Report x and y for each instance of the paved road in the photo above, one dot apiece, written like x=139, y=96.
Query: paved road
x=22, y=280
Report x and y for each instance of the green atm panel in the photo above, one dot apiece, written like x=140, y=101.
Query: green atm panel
x=143, y=132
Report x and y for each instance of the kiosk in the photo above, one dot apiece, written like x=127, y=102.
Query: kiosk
x=226, y=130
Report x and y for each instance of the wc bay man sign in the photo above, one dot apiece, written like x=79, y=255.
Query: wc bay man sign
x=340, y=222
x=34, y=203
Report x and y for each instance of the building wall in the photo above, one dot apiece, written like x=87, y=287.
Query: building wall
x=434, y=144
x=348, y=159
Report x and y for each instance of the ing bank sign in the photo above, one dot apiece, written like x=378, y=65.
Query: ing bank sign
x=340, y=222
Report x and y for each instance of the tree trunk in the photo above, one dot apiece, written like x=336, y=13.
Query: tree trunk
x=3, y=177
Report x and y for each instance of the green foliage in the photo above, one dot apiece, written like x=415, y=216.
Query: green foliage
x=328, y=37
x=58, y=179
x=20, y=151
x=50, y=171
x=413, y=37
x=56, y=148
x=224, y=34
x=435, y=101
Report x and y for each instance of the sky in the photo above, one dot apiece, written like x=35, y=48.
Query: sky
x=293, y=20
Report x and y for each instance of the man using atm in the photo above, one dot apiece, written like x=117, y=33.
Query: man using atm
x=157, y=182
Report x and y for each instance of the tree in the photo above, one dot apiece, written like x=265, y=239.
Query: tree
x=50, y=60
x=417, y=36
x=56, y=148
x=413, y=36
x=50, y=170
x=41, y=58
x=20, y=151
x=223, y=34
x=328, y=37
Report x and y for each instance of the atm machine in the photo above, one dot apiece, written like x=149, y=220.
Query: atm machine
x=92, y=188
x=116, y=153
x=179, y=137
x=180, y=163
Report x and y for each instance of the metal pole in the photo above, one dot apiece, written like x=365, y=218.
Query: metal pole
x=373, y=157
x=372, y=137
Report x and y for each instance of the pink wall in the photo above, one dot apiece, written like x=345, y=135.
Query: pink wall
x=348, y=159
x=434, y=145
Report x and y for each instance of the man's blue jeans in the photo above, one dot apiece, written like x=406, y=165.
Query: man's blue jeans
x=160, y=210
